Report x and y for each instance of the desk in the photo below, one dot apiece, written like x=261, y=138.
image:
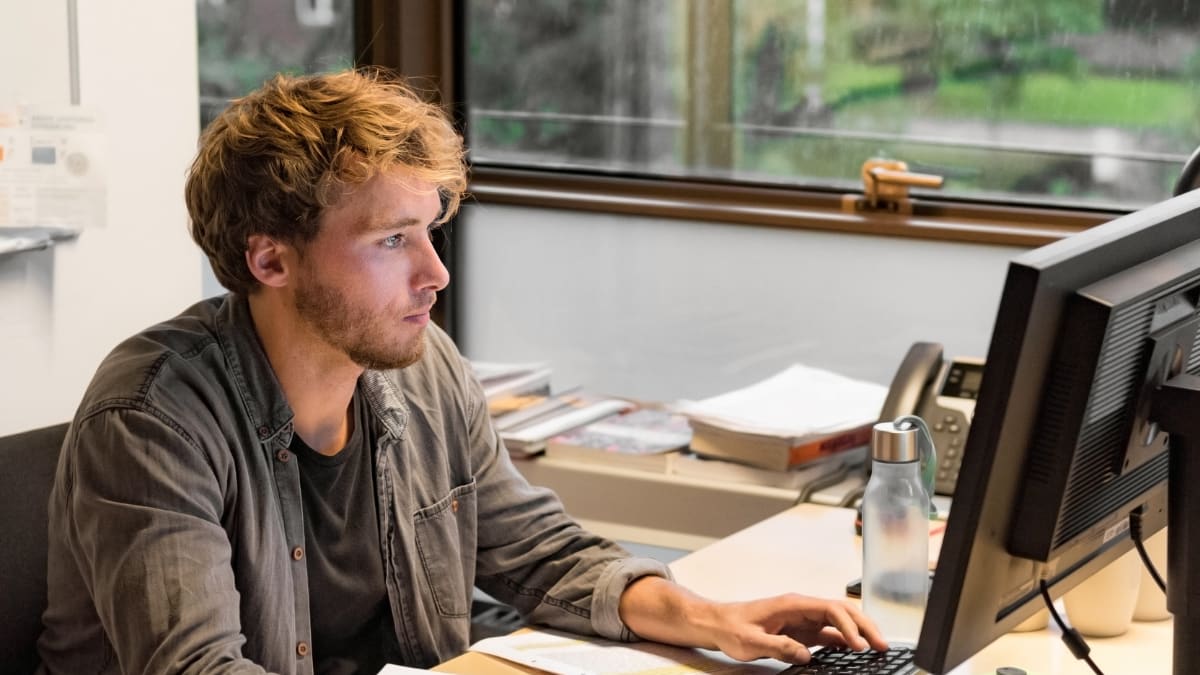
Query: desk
x=654, y=508
x=647, y=507
x=814, y=552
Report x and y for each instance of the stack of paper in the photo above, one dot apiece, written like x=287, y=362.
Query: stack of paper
x=800, y=401
x=784, y=421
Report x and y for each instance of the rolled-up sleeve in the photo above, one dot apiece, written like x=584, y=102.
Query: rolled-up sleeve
x=606, y=598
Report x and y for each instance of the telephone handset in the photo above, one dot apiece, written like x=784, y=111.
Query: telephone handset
x=943, y=394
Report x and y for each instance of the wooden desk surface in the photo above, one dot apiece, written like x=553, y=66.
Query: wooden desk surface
x=812, y=549
x=473, y=663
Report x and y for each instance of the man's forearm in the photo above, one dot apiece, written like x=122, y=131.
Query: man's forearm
x=660, y=610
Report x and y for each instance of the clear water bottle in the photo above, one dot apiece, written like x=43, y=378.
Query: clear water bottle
x=895, y=526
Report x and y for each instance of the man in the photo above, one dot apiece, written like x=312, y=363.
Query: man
x=302, y=476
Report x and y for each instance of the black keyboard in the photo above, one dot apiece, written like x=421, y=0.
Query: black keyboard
x=895, y=661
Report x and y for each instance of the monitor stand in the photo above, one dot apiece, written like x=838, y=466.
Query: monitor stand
x=1176, y=408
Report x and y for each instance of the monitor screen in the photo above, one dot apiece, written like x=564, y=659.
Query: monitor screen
x=1067, y=438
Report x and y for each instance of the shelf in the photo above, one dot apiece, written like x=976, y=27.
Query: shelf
x=25, y=239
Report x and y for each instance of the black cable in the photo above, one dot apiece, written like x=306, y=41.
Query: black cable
x=854, y=495
x=821, y=482
x=1071, y=637
x=1135, y=533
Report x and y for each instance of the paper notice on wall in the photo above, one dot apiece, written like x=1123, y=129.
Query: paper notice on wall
x=52, y=167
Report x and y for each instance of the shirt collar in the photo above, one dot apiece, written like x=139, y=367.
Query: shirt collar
x=263, y=397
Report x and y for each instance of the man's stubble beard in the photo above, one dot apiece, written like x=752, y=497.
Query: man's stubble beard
x=356, y=332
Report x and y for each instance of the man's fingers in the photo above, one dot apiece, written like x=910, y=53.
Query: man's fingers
x=860, y=632
x=784, y=648
x=827, y=637
x=840, y=617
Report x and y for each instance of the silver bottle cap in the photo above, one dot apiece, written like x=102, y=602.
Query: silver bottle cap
x=892, y=444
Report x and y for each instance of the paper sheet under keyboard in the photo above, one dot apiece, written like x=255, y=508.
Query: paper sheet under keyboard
x=572, y=655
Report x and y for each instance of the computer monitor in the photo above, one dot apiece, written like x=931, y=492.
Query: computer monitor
x=1090, y=375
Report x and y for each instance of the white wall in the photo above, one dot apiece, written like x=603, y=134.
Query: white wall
x=62, y=310
x=664, y=309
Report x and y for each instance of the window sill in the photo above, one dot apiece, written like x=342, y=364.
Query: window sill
x=742, y=204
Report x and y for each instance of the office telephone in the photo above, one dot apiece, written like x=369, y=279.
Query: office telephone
x=942, y=393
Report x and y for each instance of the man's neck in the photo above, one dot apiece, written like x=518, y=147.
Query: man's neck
x=317, y=380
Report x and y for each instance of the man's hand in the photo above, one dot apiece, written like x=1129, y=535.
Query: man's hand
x=781, y=627
x=785, y=626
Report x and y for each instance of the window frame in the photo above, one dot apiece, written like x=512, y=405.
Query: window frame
x=752, y=204
x=427, y=40
x=420, y=40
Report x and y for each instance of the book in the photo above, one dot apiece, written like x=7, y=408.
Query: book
x=495, y=371
x=798, y=401
x=692, y=465
x=536, y=407
x=529, y=438
x=642, y=438
x=793, y=417
x=510, y=386
x=774, y=451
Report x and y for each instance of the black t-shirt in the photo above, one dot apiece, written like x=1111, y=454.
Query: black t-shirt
x=351, y=620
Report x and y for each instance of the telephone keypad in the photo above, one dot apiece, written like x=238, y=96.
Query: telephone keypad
x=949, y=438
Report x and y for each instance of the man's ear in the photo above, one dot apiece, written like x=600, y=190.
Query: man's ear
x=269, y=260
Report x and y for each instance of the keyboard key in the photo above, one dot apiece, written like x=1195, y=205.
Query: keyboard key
x=895, y=661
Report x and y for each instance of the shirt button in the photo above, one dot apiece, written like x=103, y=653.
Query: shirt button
x=302, y=649
x=297, y=553
x=263, y=431
x=283, y=455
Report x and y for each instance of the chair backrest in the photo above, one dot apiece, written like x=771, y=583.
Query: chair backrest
x=27, y=465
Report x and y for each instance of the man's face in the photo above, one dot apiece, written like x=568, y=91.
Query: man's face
x=366, y=283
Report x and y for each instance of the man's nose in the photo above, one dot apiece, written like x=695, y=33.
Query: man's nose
x=431, y=272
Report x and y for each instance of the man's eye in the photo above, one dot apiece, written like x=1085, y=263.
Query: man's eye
x=393, y=241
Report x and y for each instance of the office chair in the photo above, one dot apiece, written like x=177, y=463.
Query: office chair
x=28, y=460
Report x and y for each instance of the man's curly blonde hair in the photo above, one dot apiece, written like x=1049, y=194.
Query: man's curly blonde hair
x=274, y=160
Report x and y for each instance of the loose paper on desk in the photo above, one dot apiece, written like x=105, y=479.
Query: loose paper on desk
x=391, y=669
x=799, y=401
x=566, y=654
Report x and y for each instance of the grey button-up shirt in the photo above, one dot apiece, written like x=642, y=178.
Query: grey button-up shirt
x=176, y=525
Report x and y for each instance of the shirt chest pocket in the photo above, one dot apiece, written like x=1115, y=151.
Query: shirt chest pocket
x=446, y=541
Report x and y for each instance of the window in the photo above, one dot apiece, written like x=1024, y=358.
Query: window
x=243, y=43
x=1086, y=103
